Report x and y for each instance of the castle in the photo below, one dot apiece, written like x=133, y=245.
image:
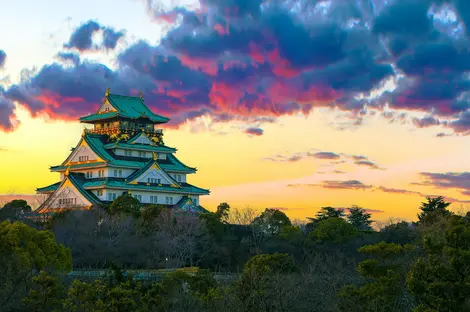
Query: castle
x=124, y=153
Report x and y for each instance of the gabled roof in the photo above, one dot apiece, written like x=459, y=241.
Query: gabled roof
x=77, y=181
x=150, y=164
x=187, y=204
x=128, y=107
x=97, y=143
x=151, y=148
x=185, y=188
x=49, y=188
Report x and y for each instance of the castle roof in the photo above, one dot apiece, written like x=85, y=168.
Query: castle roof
x=98, y=143
x=126, y=107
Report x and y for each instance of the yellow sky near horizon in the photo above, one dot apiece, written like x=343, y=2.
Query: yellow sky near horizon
x=236, y=169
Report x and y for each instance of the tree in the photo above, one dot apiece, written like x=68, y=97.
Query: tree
x=260, y=287
x=333, y=230
x=46, y=293
x=271, y=221
x=441, y=279
x=14, y=210
x=223, y=211
x=384, y=273
x=359, y=218
x=126, y=204
x=433, y=208
x=24, y=250
x=400, y=233
x=329, y=212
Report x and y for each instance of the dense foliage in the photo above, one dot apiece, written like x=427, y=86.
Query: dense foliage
x=150, y=258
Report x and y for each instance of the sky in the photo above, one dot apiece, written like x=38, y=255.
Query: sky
x=284, y=104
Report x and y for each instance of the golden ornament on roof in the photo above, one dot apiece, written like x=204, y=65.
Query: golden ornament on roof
x=154, y=156
x=107, y=91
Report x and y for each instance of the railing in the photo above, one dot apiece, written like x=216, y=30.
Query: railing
x=112, y=130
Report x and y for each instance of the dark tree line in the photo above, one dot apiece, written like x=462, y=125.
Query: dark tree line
x=334, y=262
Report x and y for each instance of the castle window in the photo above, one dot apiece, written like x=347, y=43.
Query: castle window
x=178, y=178
x=138, y=197
x=128, y=153
x=142, y=154
x=120, y=173
x=101, y=173
x=159, y=181
x=89, y=174
x=99, y=192
x=111, y=196
x=153, y=199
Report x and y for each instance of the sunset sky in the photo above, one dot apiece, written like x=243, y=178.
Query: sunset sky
x=285, y=104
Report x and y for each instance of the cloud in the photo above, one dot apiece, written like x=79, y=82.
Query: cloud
x=358, y=185
x=426, y=122
x=82, y=38
x=7, y=112
x=69, y=56
x=242, y=59
x=367, y=163
x=334, y=159
x=325, y=155
x=255, y=131
x=3, y=57
x=449, y=180
x=349, y=184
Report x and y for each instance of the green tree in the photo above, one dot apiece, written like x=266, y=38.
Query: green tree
x=125, y=204
x=359, y=218
x=333, y=230
x=222, y=212
x=85, y=297
x=384, y=273
x=441, y=279
x=329, y=212
x=400, y=233
x=46, y=293
x=272, y=221
x=24, y=250
x=14, y=210
x=261, y=274
x=432, y=209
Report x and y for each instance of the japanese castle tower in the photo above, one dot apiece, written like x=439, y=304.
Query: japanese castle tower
x=123, y=153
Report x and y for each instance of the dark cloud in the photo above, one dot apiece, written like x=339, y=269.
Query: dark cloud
x=69, y=56
x=247, y=59
x=426, y=122
x=449, y=180
x=349, y=184
x=111, y=38
x=82, y=38
x=367, y=163
x=7, y=112
x=325, y=155
x=3, y=57
x=254, y=131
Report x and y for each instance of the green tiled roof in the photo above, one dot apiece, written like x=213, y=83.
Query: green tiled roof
x=78, y=182
x=136, y=174
x=49, y=188
x=151, y=148
x=186, y=203
x=122, y=184
x=127, y=107
x=79, y=166
x=97, y=143
x=95, y=117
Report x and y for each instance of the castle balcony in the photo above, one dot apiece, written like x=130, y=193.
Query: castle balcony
x=125, y=130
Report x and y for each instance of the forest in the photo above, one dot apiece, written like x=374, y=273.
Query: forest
x=233, y=260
